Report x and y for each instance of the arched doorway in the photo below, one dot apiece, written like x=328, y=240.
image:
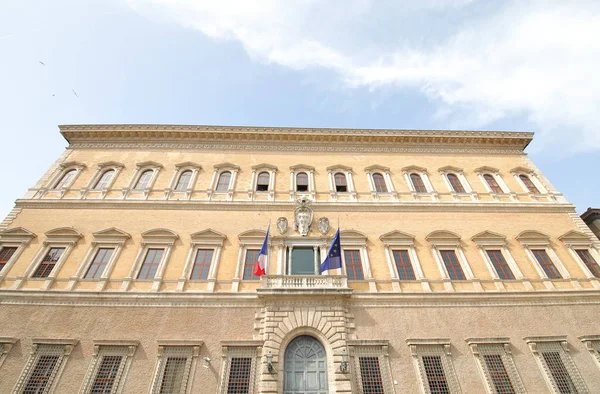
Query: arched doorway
x=305, y=367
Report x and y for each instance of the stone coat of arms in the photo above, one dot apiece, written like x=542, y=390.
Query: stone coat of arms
x=303, y=216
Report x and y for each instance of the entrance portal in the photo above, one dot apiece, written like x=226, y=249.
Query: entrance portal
x=305, y=367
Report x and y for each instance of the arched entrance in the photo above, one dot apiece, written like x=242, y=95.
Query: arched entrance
x=305, y=367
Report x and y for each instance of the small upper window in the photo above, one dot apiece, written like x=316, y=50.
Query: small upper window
x=530, y=186
x=455, y=271
x=104, y=180
x=340, y=182
x=66, y=179
x=379, y=182
x=144, y=180
x=302, y=182
x=184, y=180
x=48, y=262
x=5, y=255
x=585, y=256
x=455, y=183
x=262, y=182
x=546, y=263
x=418, y=184
x=224, y=181
x=491, y=181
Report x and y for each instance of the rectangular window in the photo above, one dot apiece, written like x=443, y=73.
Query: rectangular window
x=303, y=261
x=48, y=262
x=547, y=265
x=41, y=375
x=202, y=264
x=99, y=262
x=500, y=265
x=150, y=264
x=587, y=258
x=239, y=375
x=434, y=372
x=403, y=265
x=250, y=263
x=172, y=377
x=559, y=372
x=106, y=375
x=6, y=254
x=497, y=373
x=370, y=375
x=455, y=271
x=175, y=369
x=353, y=265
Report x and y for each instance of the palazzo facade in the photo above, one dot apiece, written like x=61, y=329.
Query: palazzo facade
x=129, y=266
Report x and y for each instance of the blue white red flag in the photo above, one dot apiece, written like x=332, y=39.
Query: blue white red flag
x=334, y=256
x=261, y=263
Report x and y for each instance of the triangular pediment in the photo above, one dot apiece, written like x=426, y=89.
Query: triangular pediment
x=521, y=169
x=149, y=163
x=265, y=166
x=486, y=169
x=305, y=167
x=414, y=169
x=377, y=167
x=189, y=164
x=111, y=164
x=450, y=169
x=226, y=166
x=112, y=232
x=489, y=238
x=397, y=235
x=17, y=234
x=340, y=167
x=208, y=233
x=575, y=237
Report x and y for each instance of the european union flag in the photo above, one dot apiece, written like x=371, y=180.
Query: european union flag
x=334, y=256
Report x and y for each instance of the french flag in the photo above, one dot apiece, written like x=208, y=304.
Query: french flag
x=261, y=263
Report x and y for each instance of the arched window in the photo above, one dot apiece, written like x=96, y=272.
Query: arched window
x=418, y=184
x=66, y=179
x=529, y=184
x=104, y=180
x=301, y=182
x=491, y=181
x=144, y=180
x=184, y=180
x=262, y=182
x=455, y=183
x=340, y=182
x=224, y=181
x=379, y=182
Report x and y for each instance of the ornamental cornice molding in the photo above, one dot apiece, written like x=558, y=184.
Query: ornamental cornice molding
x=319, y=206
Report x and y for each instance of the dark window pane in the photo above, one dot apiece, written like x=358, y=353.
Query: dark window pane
x=301, y=182
x=498, y=374
x=239, y=375
x=42, y=372
x=379, y=182
x=224, y=181
x=403, y=265
x=547, y=265
x=559, y=373
x=172, y=378
x=6, y=254
x=499, y=263
x=455, y=183
x=530, y=186
x=250, y=263
x=353, y=264
x=589, y=261
x=418, y=184
x=150, y=264
x=491, y=181
x=436, y=378
x=106, y=375
x=370, y=375
x=48, y=262
x=202, y=264
x=303, y=261
x=262, y=182
x=99, y=262
x=183, y=183
x=340, y=182
x=455, y=271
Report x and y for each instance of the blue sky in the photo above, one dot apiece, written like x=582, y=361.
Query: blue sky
x=428, y=64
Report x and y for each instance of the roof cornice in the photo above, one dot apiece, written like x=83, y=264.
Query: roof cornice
x=102, y=134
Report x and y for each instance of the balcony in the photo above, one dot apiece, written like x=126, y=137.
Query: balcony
x=300, y=284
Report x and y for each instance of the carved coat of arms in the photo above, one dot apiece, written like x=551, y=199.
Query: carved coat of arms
x=303, y=216
x=282, y=225
x=323, y=225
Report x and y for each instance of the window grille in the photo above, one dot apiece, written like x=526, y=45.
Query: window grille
x=107, y=374
x=301, y=182
x=529, y=184
x=108, y=368
x=99, y=262
x=184, y=180
x=202, y=264
x=174, y=370
x=436, y=378
x=6, y=254
x=42, y=369
x=66, y=179
x=370, y=375
x=559, y=372
x=250, y=263
x=547, y=265
x=353, y=264
x=589, y=261
x=371, y=368
x=150, y=264
x=262, y=182
x=455, y=271
x=500, y=264
x=379, y=182
x=403, y=265
x=340, y=182
x=239, y=370
x=455, y=183
x=435, y=366
x=491, y=181
x=498, y=374
x=41, y=374
x=144, y=180
x=418, y=184
x=48, y=262
x=104, y=180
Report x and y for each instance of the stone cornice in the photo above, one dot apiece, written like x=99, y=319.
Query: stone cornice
x=273, y=138
x=319, y=206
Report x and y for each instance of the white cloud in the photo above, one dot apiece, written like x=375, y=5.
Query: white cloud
x=539, y=58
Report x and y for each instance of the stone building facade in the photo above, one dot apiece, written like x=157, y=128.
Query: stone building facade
x=128, y=268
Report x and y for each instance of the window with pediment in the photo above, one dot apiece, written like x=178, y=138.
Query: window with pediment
x=538, y=248
x=223, y=180
x=302, y=181
x=380, y=182
x=341, y=183
x=402, y=258
x=528, y=180
x=143, y=179
x=450, y=257
x=262, y=182
x=250, y=244
x=456, y=181
x=184, y=179
x=13, y=242
x=492, y=180
x=175, y=368
x=109, y=367
x=497, y=257
x=433, y=360
x=584, y=252
x=64, y=178
x=104, y=178
x=203, y=260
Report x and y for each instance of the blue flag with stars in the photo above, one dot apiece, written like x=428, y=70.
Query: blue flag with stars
x=334, y=256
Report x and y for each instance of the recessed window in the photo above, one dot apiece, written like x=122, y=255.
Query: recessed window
x=418, y=184
x=379, y=182
x=107, y=374
x=586, y=257
x=66, y=179
x=455, y=271
x=500, y=264
x=224, y=181
x=184, y=180
x=6, y=254
x=455, y=183
x=403, y=265
x=99, y=263
x=370, y=375
x=239, y=375
x=301, y=182
x=491, y=181
x=498, y=374
x=144, y=180
x=341, y=185
x=250, y=263
x=262, y=182
x=202, y=264
x=529, y=184
x=45, y=367
x=353, y=264
x=172, y=377
x=546, y=263
x=104, y=180
x=48, y=262
x=434, y=372
x=150, y=263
